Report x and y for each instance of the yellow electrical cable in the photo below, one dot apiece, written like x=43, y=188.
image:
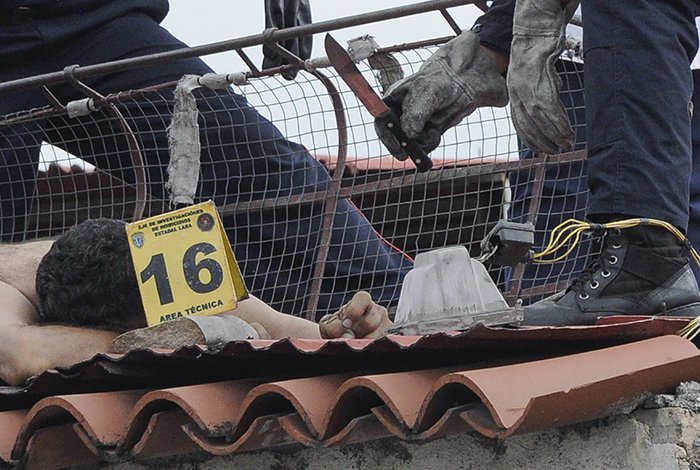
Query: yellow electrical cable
x=567, y=235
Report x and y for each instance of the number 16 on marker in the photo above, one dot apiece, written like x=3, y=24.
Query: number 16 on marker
x=184, y=264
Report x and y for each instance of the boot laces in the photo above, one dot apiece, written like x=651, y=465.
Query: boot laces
x=598, y=262
x=566, y=235
x=587, y=274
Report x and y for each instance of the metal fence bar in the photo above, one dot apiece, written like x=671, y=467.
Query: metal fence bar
x=533, y=209
x=408, y=179
x=275, y=35
x=332, y=196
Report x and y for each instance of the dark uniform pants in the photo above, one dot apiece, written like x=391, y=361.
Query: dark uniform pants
x=244, y=157
x=643, y=146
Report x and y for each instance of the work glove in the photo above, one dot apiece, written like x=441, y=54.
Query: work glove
x=286, y=14
x=538, y=114
x=449, y=86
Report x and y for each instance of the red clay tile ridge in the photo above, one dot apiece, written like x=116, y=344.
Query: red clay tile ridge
x=240, y=415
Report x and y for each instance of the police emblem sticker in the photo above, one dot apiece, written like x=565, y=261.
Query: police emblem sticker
x=205, y=222
x=138, y=239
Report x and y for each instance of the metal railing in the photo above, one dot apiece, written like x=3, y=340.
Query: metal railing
x=474, y=176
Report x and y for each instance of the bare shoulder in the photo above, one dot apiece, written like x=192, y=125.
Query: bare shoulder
x=18, y=264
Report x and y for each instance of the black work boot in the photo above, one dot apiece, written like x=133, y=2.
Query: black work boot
x=640, y=271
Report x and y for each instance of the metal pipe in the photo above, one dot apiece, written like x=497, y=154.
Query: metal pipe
x=403, y=178
x=272, y=35
x=532, y=210
x=332, y=196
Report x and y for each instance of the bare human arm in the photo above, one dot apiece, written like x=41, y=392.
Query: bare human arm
x=359, y=318
x=28, y=348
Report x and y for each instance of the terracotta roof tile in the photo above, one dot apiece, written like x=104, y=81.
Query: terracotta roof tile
x=163, y=436
x=58, y=446
x=103, y=417
x=303, y=358
x=524, y=389
x=10, y=422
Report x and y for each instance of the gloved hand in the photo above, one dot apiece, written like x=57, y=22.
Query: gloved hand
x=538, y=115
x=286, y=14
x=449, y=86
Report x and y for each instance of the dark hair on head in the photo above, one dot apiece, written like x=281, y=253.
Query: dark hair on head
x=87, y=279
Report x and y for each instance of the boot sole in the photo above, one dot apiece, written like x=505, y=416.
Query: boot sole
x=688, y=310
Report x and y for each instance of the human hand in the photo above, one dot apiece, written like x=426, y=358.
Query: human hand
x=449, y=86
x=359, y=318
x=538, y=114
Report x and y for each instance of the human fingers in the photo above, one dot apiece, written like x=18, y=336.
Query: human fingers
x=331, y=327
x=365, y=318
x=530, y=132
x=373, y=324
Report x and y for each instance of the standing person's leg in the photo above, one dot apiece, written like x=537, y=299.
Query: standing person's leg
x=639, y=131
x=639, y=161
x=564, y=191
x=694, y=219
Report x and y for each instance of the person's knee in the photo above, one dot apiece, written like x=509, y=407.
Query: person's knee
x=87, y=279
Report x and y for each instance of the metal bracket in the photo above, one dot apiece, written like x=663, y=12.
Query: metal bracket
x=508, y=243
x=388, y=69
x=98, y=101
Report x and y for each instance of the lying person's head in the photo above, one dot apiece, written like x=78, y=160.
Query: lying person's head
x=87, y=279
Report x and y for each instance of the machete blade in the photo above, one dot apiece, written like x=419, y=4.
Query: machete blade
x=348, y=71
x=351, y=75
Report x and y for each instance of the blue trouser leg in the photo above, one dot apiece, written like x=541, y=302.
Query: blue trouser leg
x=564, y=190
x=694, y=220
x=19, y=157
x=567, y=201
x=638, y=88
x=244, y=157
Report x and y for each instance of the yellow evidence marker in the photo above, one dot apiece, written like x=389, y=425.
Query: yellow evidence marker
x=184, y=264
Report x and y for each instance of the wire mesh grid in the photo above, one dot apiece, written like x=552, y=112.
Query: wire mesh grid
x=276, y=183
